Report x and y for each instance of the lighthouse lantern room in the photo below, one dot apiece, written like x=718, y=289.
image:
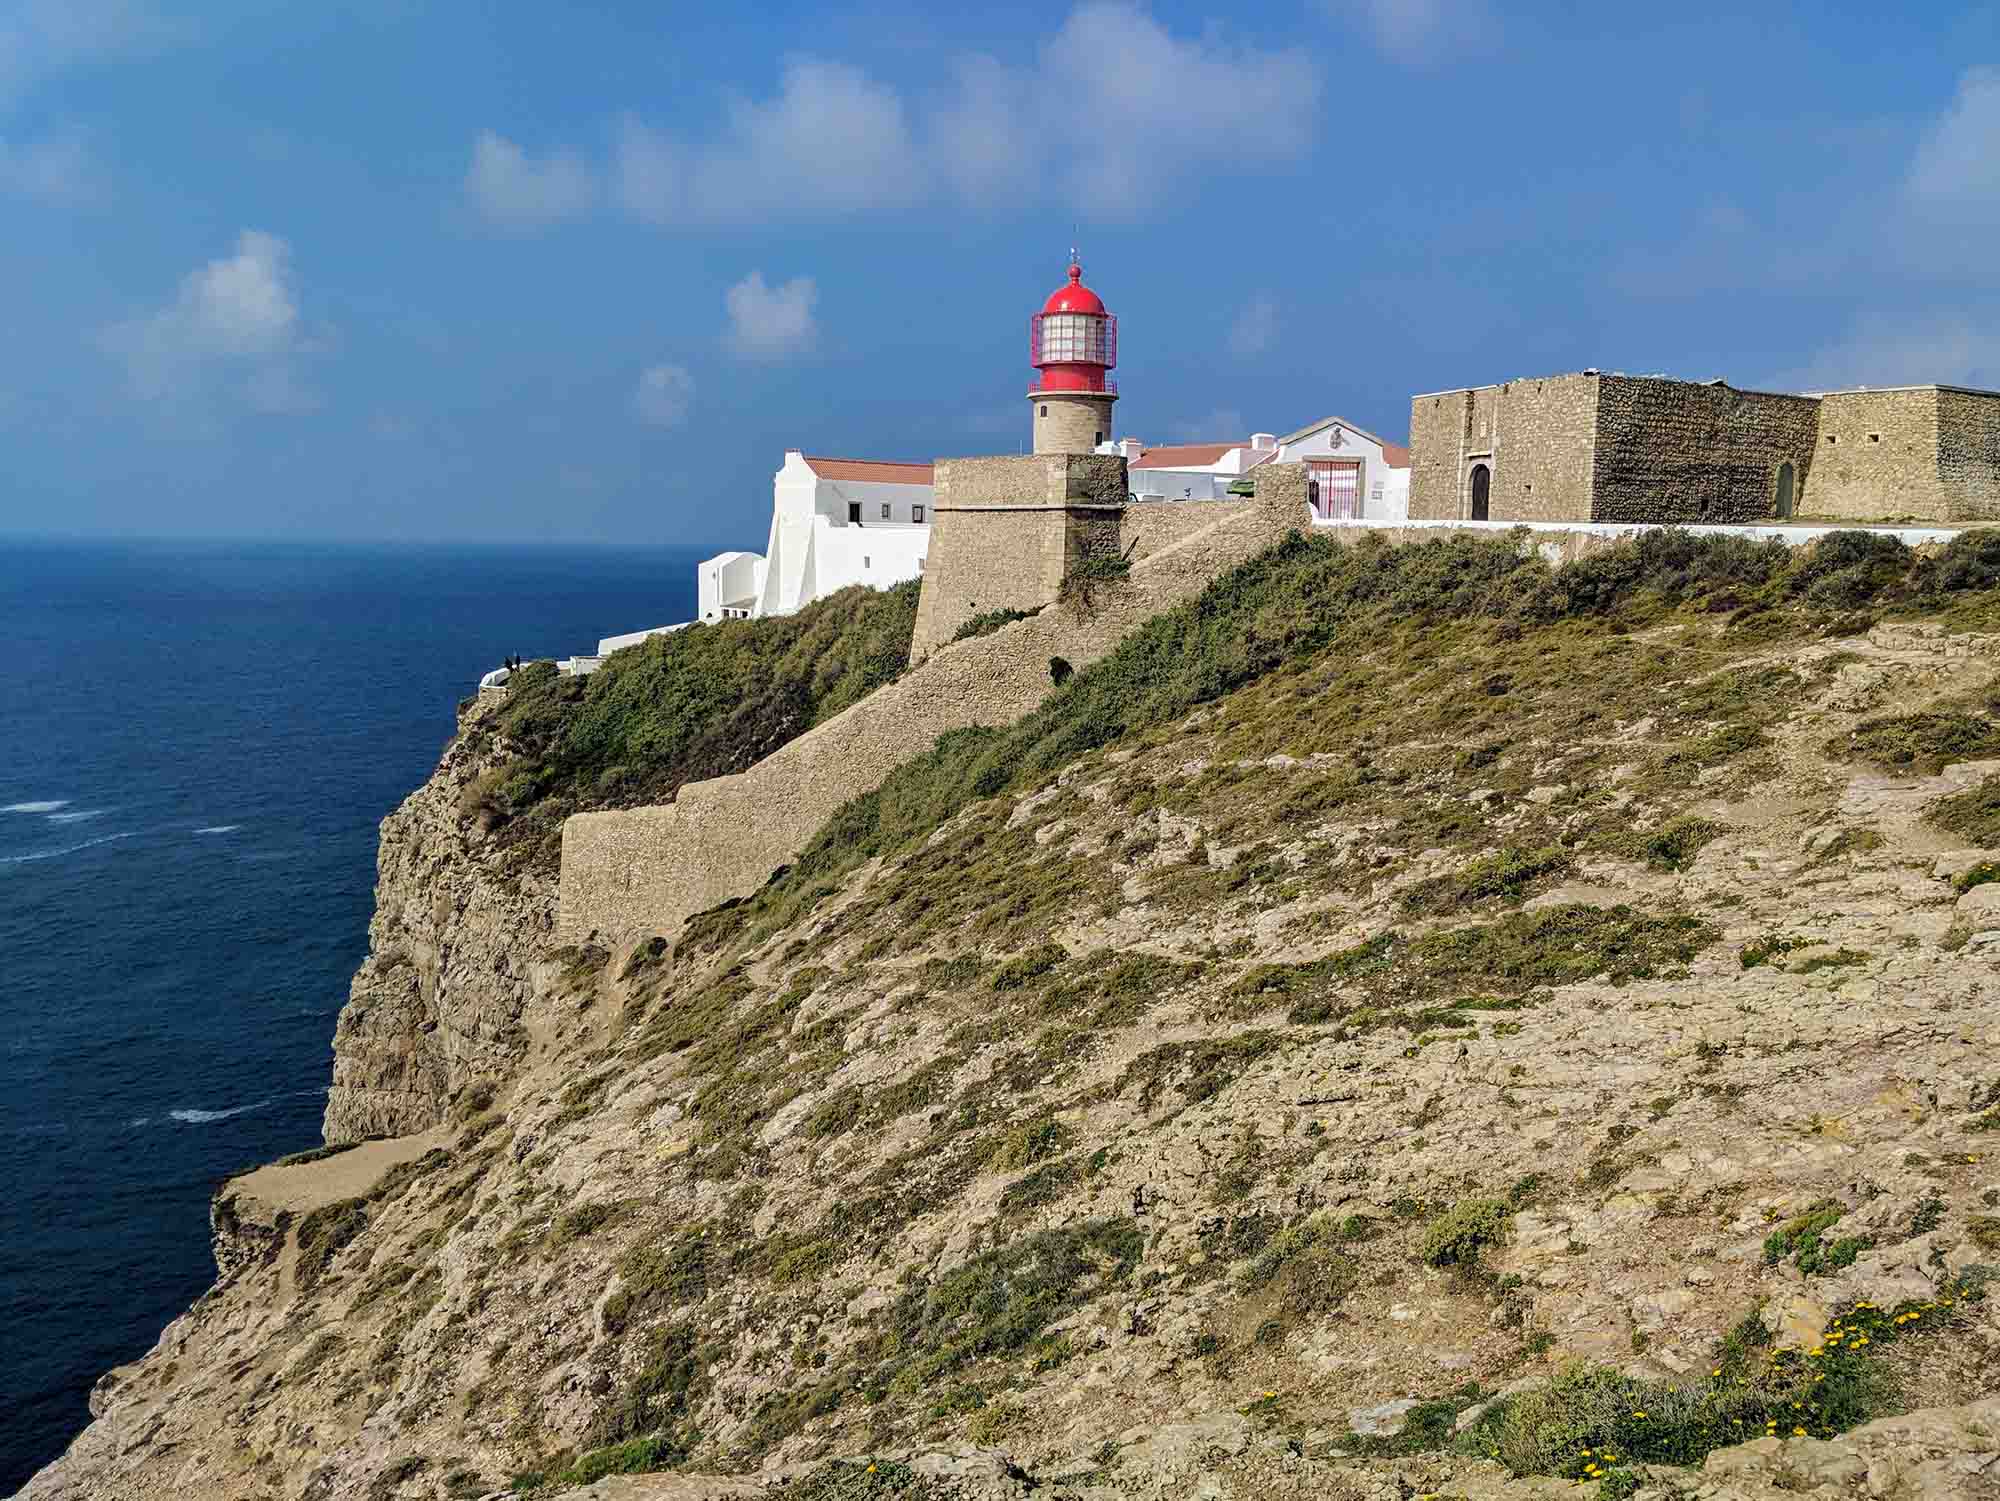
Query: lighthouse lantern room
x=1073, y=344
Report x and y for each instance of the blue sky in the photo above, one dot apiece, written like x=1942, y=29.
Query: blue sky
x=390, y=269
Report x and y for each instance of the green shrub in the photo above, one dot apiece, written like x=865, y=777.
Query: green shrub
x=1596, y=1419
x=1674, y=845
x=639, y=1456
x=1456, y=1237
x=990, y=621
x=1978, y=875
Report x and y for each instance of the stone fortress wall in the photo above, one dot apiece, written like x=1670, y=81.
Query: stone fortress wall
x=1633, y=449
x=1969, y=453
x=1675, y=451
x=1535, y=436
x=645, y=871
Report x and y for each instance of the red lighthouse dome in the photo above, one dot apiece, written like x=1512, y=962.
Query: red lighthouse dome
x=1073, y=341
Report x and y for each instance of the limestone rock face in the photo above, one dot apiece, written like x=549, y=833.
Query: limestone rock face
x=438, y=1001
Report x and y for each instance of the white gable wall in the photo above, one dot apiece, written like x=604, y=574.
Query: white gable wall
x=1385, y=492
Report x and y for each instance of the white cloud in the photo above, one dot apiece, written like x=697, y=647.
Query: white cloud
x=663, y=396
x=1256, y=327
x=1956, y=347
x=768, y=322
x=1143, y=110
x=514, y=190
x=39, y=38
x=233, y=331
x=1957, y=167
x=1415, y=31
x=56, y=168
x=832, y=142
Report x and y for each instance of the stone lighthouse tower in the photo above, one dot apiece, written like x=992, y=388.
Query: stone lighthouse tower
x=1073, y=344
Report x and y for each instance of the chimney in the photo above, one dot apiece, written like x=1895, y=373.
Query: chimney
x=1263, y=440
x=1132, y=448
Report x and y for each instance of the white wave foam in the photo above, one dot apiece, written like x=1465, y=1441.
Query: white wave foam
x=68, y=849
x=207, y=1117
x=47, y=807
x=220, y=828
x=78, y=816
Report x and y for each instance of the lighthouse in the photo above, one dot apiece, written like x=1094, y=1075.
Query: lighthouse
x=1073, y=345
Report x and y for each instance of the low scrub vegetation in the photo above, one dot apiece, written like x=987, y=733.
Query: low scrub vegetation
x=1421, y=607
x=1973, y=815
x=1922, y=742
x=699, y=703
x=1596, y=1423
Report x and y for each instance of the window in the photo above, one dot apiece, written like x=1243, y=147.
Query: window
x=854, y=512
x=916, y=513
x=867, y=562
x=1045, y=409
x=1874, y=437
x=1831, y=440
x=1097, y=438
x=885, y=510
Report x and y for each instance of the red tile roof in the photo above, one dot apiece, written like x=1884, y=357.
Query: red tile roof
x=1184, y=455
x=874, y=471
x=1396, y=455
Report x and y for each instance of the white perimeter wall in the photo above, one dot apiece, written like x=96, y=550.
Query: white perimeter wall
x=878, y=556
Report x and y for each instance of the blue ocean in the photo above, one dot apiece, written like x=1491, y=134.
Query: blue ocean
x=196, y=745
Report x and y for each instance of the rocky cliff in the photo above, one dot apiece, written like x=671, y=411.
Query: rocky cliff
x=439, y=1001
x=1414, y=1024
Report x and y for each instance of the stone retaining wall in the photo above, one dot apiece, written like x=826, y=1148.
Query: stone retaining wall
x=630, y=874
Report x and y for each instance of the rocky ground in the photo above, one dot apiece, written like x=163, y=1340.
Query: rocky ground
x=1238, y=1114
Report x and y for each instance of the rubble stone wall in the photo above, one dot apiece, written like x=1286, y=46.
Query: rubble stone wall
x=1969, y=454
x=1679, y=451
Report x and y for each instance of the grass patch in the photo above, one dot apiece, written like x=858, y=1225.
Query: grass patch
x=1973, y=814
x=1504, y=875
x=1802, y=1241
x=323, y=1234
x=1925, y=743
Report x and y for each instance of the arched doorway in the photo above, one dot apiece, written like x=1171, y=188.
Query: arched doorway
x=1482, y=487
x=1783, y=503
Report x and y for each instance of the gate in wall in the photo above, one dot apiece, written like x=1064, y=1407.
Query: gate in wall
x=1335, y=488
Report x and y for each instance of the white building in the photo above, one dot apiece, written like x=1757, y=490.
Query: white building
x=1355, y=475
x=1192, y=471
x=834, y=522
